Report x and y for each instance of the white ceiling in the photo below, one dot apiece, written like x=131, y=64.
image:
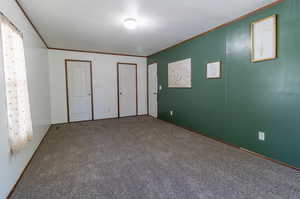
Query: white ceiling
x=98, y=24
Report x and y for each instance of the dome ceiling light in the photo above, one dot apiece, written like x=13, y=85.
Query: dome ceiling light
x=130, y=23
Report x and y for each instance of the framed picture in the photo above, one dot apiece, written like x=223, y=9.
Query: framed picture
x=263, y=39
x=213, y=70
x=180, y=74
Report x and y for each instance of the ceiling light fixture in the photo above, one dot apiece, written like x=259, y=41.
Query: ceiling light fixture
x=130, y=23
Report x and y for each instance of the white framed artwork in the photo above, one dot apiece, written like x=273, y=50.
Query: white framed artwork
x=263, y=39
x=213, y=70
x=180, y=74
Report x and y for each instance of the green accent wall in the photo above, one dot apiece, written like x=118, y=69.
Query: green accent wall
x=250, y=97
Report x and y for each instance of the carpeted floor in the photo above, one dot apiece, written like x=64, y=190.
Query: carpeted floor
x=143, y=158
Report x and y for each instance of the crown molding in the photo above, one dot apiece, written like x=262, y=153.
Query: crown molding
x=123, y=54
x=65, y=49
x=96, y=52
x=222, y=25
x=29, y=20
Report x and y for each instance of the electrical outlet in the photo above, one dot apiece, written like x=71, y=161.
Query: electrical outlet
x=261, y=136
x=171, y=113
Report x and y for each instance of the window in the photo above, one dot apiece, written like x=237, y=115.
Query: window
x=16, y=90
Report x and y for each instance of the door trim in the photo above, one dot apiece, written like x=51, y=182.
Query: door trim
x=67, y=87
x=148, y=88
x=118, y=82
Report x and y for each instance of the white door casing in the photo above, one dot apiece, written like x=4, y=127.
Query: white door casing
x=127, y=89
x=79, y=90
x=152, y=90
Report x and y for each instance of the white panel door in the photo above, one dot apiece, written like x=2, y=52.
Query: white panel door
x=79, y=90
x=127, y=90
x=152, y=83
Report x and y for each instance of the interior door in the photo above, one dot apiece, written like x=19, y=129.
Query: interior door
x=79, y=90
x=152, y=89
x=127, y=89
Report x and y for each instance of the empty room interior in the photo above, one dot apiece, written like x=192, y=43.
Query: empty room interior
x=136, y=99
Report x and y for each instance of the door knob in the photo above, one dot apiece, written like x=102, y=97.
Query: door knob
x=89, y=94
x=155, y=93
x=120, y=93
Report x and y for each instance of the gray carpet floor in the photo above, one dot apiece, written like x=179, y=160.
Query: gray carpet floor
x=143, y=158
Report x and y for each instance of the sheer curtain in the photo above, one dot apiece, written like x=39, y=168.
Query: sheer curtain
x=17, y=99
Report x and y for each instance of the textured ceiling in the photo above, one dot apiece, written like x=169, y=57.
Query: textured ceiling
x=97, y=25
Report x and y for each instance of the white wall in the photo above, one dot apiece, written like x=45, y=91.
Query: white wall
x=104, y=83
x=38, y=77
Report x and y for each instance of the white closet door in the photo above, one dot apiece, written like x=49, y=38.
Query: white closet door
x=79, y=90
x=127, y=90
x=152, y=83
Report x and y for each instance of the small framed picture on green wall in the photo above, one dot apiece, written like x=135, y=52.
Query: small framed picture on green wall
x=263, y=39
x=213, y=70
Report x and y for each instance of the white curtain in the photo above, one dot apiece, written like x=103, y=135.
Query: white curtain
x=18, y=110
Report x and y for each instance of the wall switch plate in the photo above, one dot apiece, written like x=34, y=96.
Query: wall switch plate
x=171, y=113
x=160, y=87
x=261, y=136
